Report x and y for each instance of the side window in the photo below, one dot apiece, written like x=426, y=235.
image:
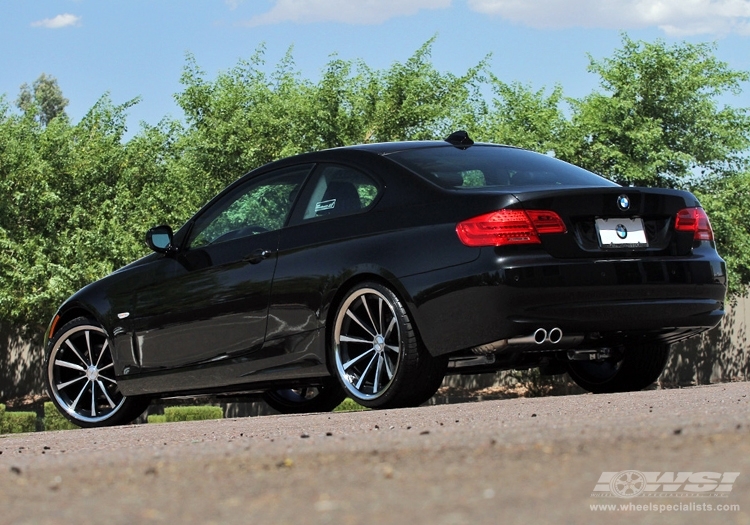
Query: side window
x=339, y=190
x=255, y=207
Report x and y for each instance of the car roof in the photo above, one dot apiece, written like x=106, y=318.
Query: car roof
x=384, y=148
x=380, y=149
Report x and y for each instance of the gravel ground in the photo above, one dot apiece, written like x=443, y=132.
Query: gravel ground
x=514, y=460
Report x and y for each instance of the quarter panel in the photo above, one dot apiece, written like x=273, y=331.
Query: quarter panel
x=316, y=259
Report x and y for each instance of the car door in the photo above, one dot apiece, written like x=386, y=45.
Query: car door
x=209, y=302
x=313, y=250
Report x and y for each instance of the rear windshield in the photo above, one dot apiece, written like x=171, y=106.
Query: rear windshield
x=484, y=166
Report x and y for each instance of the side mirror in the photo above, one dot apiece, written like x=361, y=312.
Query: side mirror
x=159, y=239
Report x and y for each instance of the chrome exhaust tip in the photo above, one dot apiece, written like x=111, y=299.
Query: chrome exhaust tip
x=555, y=336
x=540, y=335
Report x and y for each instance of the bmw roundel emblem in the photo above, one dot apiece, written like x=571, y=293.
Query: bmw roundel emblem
x=623, y=202
x=622, y=231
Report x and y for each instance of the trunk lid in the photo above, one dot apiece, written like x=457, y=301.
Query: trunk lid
x=613, y=222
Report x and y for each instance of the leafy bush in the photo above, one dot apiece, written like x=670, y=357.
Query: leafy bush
x=349, y=405
x=17, y=422
x=156, y=418
x=172, y=414
x=54, y=420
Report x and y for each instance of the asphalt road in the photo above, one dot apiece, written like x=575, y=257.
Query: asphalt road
x=505, y=461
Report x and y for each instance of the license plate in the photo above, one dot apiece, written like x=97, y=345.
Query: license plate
x=621, y=233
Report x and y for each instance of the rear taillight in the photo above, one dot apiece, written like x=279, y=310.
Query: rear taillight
x=503, y=227
x=694, y=220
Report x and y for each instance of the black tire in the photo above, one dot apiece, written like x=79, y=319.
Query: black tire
x=320, y=398
x=639, y=367
x=80, y=378
x=372, y=327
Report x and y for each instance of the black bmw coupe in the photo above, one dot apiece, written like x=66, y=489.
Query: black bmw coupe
x=372, y=271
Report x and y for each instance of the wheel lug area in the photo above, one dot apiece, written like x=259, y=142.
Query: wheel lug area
x=379, y=344
x=92, y=373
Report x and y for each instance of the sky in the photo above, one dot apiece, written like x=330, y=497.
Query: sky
x=137, y=48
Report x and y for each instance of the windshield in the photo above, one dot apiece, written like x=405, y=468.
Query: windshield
x=484, y=166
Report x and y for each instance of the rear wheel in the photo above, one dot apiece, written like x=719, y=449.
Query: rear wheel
x=320, y=398
x=639, y=367
x=81, y=380
x=379, y=359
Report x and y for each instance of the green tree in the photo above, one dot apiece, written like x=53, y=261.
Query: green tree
x=658, y=121
x=414, y=101
x=75, y=201
x=44, y=99
x=522, y=117
x=338, y=105
x=247, y=117
x=243, y=119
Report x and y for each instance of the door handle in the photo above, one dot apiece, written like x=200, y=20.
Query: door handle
x=257, y=256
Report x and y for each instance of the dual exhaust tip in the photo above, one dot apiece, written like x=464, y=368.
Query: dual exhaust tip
x=539, y=337
x=542, y=336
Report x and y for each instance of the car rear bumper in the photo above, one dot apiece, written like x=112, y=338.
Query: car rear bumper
x=496, y=298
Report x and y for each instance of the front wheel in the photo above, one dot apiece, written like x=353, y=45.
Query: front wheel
x=639, y=367
x=81, y=380
x=377, y=354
